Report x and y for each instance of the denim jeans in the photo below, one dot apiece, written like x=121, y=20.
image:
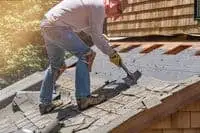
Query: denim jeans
x=57, y=41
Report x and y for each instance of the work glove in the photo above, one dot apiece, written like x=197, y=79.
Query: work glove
x=115, y=59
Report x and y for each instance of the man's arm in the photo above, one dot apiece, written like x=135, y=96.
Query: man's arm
x=96, y=20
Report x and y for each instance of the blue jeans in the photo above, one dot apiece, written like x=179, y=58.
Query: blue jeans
x=57, y=41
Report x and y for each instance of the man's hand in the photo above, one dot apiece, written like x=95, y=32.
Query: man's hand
x=115, y=59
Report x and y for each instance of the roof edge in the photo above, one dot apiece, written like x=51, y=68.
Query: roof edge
x=29, y=83
x=132, y=123
x=154, y=37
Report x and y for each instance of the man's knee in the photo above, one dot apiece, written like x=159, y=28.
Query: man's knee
x=56, y=69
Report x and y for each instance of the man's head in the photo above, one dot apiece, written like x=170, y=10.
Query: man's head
x=113, y=8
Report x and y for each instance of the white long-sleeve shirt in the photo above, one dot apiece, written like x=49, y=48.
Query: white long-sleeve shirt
x=82, y=15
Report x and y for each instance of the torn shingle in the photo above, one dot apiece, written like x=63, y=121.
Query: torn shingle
x=151, y=101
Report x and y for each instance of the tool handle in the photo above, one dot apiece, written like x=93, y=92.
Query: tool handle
x=125, y=68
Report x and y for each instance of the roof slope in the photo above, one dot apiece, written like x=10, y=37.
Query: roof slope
x=166, y=79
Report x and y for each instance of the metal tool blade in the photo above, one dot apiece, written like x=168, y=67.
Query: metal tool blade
x=127, y=71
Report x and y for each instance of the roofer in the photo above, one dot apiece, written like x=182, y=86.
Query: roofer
x=59, y=29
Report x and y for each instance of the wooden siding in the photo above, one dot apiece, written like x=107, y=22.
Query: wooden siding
x=186, y=120
x=154, y=17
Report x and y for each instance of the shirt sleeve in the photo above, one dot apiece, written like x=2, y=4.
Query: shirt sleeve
x=96, y=20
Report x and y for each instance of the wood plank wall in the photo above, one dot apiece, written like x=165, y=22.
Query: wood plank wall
x=154, y=17
x=186, y=120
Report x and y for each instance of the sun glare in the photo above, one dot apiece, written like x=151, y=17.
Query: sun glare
x=19, y=22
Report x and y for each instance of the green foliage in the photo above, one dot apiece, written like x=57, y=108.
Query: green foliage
x=25, y=59
x=20, y=29
x=23, y=62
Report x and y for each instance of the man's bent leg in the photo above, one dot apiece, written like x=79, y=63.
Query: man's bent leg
x=72, y=43
x=46, y=89
x=56, y=60
x=86, y=56
x=82, y=82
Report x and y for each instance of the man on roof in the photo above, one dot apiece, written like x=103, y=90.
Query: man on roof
x=60, y=29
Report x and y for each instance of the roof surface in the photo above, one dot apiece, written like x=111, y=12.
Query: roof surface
x=165, y=68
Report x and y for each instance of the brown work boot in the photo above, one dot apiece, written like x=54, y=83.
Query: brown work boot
x=85, y=103
x=46, y=108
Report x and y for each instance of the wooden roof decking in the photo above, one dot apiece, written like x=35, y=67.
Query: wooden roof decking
x=166, y=79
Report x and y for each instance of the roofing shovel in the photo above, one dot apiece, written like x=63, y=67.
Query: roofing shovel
x=131, y=77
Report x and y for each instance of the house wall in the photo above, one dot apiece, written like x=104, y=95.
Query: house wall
x=154, y=17
x=186, y=120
